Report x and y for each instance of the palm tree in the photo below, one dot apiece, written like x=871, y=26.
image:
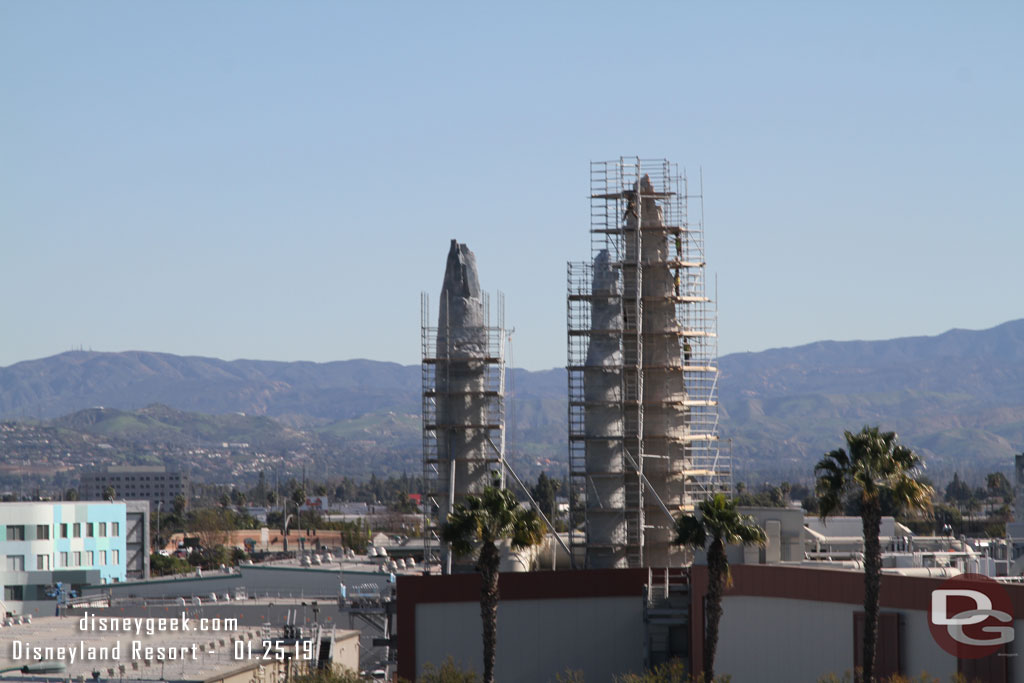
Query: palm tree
x=486, y=520
x=722, y=524
x=875, y=464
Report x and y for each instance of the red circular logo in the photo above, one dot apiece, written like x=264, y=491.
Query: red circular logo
x=971, y=616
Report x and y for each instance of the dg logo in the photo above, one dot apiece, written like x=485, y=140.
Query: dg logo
x=971, y=616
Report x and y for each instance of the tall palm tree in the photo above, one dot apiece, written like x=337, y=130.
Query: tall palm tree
x=720, y=523
x=875, y=464
x=486, y=520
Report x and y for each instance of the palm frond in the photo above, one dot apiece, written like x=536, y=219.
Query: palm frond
x=875, y=462
x=690, y=532
x=490, y=517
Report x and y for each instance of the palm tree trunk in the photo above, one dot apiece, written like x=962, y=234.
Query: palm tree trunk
x=488, y=566
x=718, y=569
x=872, y=521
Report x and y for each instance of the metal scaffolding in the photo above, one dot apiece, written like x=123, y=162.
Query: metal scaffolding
x=463, y=412
x=642, y=367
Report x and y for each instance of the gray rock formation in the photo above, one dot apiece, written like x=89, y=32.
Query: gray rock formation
x=603, y=422
x=665, y=423
x=461, y=382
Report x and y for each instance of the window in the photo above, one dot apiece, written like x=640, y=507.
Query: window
x=15, y=532
x=42, y=531
x=76, y=530
x=43, y=563
x=89, y=559
x=103, y=557
x=15, y=563
x=62, y=560
x=88, y=529
x=103, y=529
x=115, y=528
x=14, y=592
x=115, y=557
x=76, y=558
x=63, y=530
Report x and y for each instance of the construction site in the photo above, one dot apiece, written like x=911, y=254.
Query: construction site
x=644, y=449
x=642, y=375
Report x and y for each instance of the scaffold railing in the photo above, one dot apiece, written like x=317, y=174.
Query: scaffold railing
x=670, y=244
x=490, y=393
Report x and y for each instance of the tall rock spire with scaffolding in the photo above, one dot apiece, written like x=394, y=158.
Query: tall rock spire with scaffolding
x=642, y=369
x=463, y=390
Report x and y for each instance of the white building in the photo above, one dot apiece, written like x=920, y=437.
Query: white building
x=75, y=543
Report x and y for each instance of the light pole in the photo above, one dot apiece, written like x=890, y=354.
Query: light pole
x=159, y=504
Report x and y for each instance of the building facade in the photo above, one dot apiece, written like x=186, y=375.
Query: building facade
x=75, y=543
x=135, y=482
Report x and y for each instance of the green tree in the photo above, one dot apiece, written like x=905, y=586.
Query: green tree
x=448, y=672
x=298, y=497
x=998, y=486
x=544, y=493
x=109, y=493
x=327, y=675
x=719, y=523
x=179, y=505
x=71, y=494
x=486, y=520
x=671, y=671
x=875, y=464
x=212, y=525
x=957, y=491
x=160, y=565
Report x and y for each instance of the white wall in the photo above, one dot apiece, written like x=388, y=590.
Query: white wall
x=777, y=639
x=538, y=639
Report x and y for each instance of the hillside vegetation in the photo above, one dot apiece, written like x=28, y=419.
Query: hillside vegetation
x=957, y=398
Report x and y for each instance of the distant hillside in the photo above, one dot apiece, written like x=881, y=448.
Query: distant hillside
x=301, y=392
x=958, y=398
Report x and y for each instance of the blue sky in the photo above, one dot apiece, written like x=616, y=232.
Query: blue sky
x=281, y=180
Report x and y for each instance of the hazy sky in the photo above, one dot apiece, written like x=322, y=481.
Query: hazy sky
x=281, y=180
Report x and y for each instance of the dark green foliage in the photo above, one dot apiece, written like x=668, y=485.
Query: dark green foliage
x=769, y=496
x=327, y=676
x=448, y=672
x=957, y=491
x=998, y=486
x=544, y=492
x=671, y=671
x=159, y=565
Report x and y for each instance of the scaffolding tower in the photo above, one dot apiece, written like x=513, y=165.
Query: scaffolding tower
x=463, y=413
x=642, y=368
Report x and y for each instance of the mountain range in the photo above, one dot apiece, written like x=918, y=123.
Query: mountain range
x=956, y=398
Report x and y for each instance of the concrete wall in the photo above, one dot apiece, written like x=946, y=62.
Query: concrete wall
x=548, y=622
x=775, y=639
x=538, y=639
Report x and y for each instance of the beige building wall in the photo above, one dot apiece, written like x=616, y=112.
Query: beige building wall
x=346, y=651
